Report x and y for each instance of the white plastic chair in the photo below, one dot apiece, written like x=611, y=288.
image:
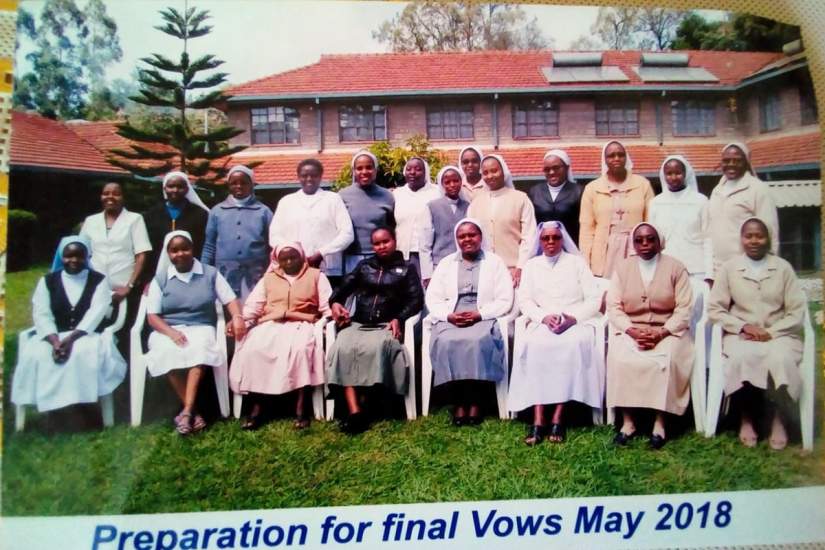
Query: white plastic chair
x=106, y=402
x=138, y=367
x=317, y=392
x=505, y=324
x=409, y=346
x=807, y=370
x=599, y=323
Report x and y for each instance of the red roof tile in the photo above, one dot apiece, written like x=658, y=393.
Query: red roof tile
x=786, y=150
x=40, y=142
x=360, y=73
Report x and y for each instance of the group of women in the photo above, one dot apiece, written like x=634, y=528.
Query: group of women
x=467, y=249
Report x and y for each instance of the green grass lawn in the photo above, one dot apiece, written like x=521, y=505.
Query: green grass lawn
x=150, y=469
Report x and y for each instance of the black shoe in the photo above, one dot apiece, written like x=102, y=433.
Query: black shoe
x=657, y=442
x=355, y=424
x=558, y=431
x=621, y=439
x=473, y=420
x=459, y=421
x=535, y=435
x=251, y=422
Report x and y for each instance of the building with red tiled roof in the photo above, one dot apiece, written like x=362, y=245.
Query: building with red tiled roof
x=520, y=104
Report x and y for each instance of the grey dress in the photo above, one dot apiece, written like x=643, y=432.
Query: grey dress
x=469, y=353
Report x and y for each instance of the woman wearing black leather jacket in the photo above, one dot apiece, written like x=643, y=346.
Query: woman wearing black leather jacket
x=368, y=350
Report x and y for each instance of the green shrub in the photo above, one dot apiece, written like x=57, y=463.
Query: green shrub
x=21, y=229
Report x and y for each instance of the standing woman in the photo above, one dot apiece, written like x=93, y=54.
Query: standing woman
x=507, y=216
x=680, y=213
x=738, y=196
x=438, y=223
x=410, y=206
x=761, y=307
x=650, y=357
x=557, y=364
x=278, y=354
x=180, y=308
x=236, y=234
x=611, y=205
x=119, y=242
x=181, y=210
x=316, y=219
x=368, y=349
x=369, y=206
x=469, y=159
x=560, y=198
x=68, y=361
x=468, y=290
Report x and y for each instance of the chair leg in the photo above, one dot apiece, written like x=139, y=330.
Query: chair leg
x=318, y=402
x=222, y=388
x=107, y=410
x=137, y=386
x=330, y=405
x=598, y=418
x=19, y=417
x=611, y=415
x=806, y=417
x=426, y=369
x=409, y=400
x=237, y=404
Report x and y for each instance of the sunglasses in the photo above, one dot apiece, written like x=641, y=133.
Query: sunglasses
x=547, y=238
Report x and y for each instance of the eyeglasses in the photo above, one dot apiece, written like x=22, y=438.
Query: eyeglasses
x=645, y=239
x=547, y=238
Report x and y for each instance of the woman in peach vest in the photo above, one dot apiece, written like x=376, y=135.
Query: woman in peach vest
x=278, y=355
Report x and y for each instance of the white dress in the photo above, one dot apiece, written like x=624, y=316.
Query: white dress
x=201, y=347
x=410, y=209
x=113, y=251
x=556, y=368
x=95, y=367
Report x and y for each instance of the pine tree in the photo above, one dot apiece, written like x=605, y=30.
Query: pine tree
x=169, y=85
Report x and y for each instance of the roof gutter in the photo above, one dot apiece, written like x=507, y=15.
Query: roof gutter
x=71, y=171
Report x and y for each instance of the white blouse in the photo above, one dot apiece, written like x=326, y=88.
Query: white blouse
x=73, y=285
x=223, y=291
x=564, y=286
x=647, y=269
x=319, y=222
x=410, y=210
x=682, y=220
x=114, y=251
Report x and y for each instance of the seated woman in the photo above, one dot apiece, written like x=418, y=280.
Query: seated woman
x=757, y=299
x=68, y=362
x=651, y=357
x=557, y=294
x=368, y=350
x=181, y=309
x=278, y=354
x=468, y=290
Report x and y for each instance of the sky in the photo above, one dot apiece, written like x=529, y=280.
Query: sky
x=257, y=38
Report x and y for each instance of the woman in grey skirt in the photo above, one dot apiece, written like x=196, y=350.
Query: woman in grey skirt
x=368, y=350
x=468, y=290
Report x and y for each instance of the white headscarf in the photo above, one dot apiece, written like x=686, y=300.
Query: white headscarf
x=57, y=261
x=565, y=158
x=243, y=170
x=163, y=261
x=745, y=151
x=691, y=186
x=628, y=162
x=567, y=243
x=191, y=196
x=444, y=170
x=485, y=244
x=656, y=229
x=461, y=154
x=426, y=168
x=363, y=153
x=508, y=177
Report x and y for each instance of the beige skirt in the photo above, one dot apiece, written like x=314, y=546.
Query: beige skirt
x=749, y=361
x=656, y=379
x=618, y=248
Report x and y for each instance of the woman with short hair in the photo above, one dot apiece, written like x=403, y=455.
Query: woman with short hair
x=611, y=205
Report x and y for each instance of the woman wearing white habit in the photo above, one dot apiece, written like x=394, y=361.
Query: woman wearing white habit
x=67, y=362
x=558, y=293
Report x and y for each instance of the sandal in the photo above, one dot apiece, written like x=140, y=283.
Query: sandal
x=251, y=422
x=183, y=423
x=557, y=433
x=657, y=441
x=198, y=423
x=301, y=423
x=535, y=435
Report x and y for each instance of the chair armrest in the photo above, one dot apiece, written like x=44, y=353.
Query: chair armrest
x=120, y=319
